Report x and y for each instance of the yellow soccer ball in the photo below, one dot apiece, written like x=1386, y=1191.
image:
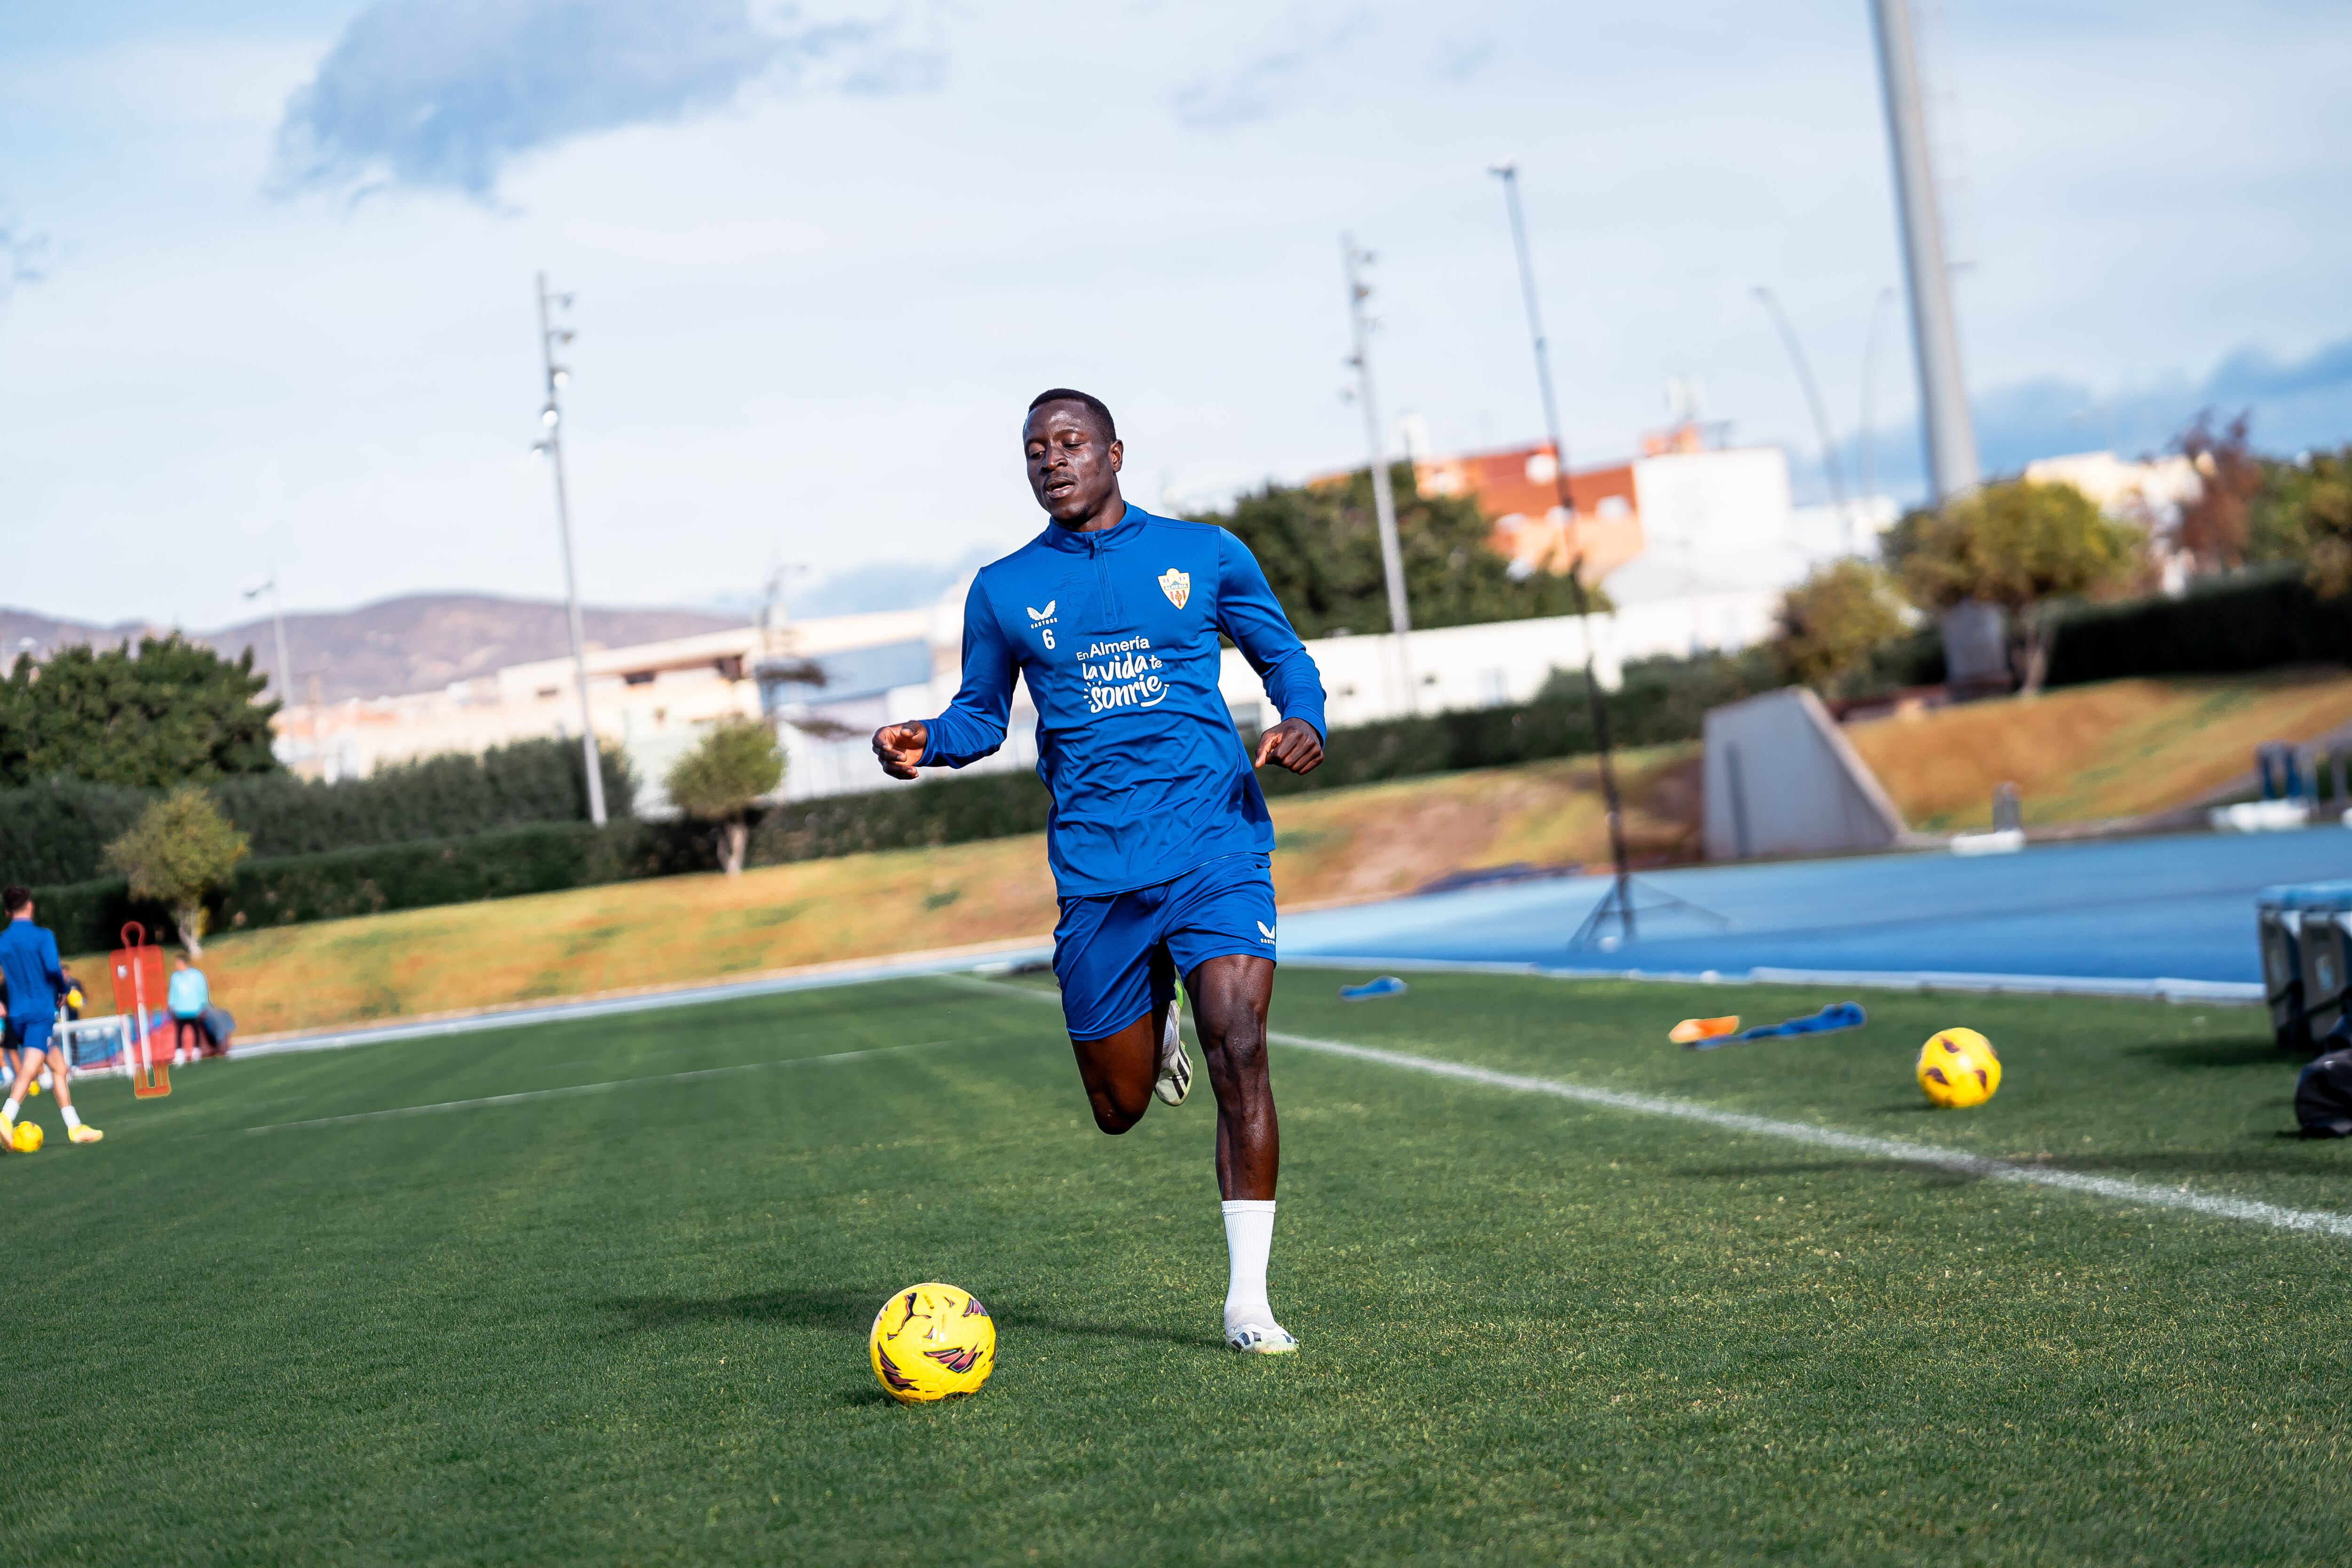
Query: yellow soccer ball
x=28, y=1136
x=1958, y=1067
x=932, y=1342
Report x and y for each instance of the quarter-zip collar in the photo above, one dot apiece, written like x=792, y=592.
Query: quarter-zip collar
x=1072, y=542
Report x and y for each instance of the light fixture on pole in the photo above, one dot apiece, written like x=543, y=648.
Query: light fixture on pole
x=285, y=671
x=1618, y=903
x=1830, y=467
x=1383, y=491
x=550, y=447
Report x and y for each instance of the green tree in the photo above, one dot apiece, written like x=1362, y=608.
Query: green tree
x=181, y=848
x=2303, y=514
x=723, y=777
x=2026, y=547
x=1829, y=625
x=1321, y=548
x=172, y=712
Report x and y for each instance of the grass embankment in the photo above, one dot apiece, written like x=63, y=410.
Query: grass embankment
x=2090, y=753
x=628, y=1325
x=1345, y=846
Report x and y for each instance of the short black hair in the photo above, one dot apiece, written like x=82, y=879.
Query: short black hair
x=14, y=898
x=1072, y=395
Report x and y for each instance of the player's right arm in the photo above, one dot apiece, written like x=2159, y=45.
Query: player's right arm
x=973, y=725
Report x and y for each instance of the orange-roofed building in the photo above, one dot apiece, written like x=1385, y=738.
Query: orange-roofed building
x=1518, y=490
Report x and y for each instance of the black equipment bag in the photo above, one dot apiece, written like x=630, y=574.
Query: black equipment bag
x=2323, y=1095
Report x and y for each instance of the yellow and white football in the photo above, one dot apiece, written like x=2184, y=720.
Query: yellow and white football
x=1958, y=1067
x=932, y=1342
x=28, y=1136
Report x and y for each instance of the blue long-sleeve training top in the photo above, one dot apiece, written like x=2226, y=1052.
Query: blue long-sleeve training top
x=1116, y=631
x=28, y=965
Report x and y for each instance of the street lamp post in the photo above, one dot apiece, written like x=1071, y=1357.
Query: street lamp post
x=1383, y=491
x=550, y=445
x=1833, y=469
x=285, y=682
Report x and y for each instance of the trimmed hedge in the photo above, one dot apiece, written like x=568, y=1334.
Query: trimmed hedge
x=955, y=810
x=88, y=916
x=57, y=832
x=2259, y=620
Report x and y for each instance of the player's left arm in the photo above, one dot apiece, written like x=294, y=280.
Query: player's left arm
x=1248, y=612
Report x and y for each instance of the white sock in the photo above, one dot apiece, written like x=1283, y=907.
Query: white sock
x=8, y=1111
x=73, y=1117
x=1249, y=1236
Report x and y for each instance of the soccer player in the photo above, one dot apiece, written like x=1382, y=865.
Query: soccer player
x=1158, y=836
x=34, y=982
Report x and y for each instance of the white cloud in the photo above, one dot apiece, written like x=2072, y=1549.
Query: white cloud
x=445, y=94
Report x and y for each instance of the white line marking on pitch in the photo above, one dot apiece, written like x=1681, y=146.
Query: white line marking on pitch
x=597, y=1088
x=1850, y=1142
x=1952, y=1160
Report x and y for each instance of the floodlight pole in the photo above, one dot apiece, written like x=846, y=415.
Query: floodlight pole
x=1383, y=491
x=551, y=446
x=1943, y=394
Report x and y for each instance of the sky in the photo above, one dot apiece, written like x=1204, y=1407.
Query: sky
x=267, y=265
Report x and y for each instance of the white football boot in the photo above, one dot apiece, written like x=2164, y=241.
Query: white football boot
x=1262, y=1337
x=1175, y=1079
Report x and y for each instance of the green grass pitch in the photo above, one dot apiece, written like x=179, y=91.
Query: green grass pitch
x=627, y=1325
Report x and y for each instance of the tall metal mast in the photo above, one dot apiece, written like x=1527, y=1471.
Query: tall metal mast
x=1383, y=491
x=552, y=445
x=1943, y=394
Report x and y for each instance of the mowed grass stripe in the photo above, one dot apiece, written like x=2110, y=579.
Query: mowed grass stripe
x=2248, y=1210
x=528, y=1094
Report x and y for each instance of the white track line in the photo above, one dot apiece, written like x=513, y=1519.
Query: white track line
x=2246, y=1209
x=595, y=1087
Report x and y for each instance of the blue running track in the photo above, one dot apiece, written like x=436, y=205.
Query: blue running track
x=2177, y=908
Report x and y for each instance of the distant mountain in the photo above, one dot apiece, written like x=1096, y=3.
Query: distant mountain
x=415, y=643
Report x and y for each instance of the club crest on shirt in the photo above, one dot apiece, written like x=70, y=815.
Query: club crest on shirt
x=1177, y=585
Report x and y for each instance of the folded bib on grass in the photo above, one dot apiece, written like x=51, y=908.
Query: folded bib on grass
x=1691, y=1031
x=1386, y=985
x=1837, y=1015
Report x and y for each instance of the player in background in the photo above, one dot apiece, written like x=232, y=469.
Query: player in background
x=35, y=984
x=1158, y=836
x=71, y=1007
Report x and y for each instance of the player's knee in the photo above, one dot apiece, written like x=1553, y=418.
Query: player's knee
x=1237, y=1049
x=1115, y=1119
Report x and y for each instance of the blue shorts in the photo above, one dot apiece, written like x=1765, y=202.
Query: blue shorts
x=1118, y=956
x=33, y=1035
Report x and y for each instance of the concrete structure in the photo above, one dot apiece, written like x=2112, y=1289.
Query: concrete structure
x=1780, y=780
